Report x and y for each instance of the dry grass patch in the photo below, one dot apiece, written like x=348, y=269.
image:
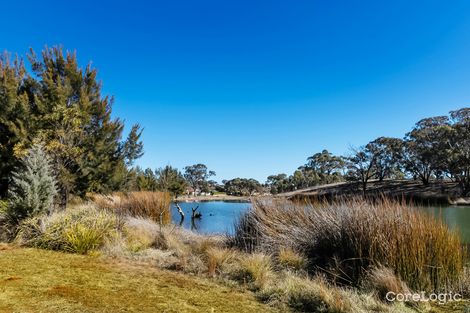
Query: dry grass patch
x=256, y=269
x=149, y=204
x=290, y=259
x=56, y=282
x=217, y=258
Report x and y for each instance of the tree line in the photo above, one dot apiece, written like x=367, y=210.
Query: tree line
x=436, y=148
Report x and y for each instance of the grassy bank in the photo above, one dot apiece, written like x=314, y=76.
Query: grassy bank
x=34, y=280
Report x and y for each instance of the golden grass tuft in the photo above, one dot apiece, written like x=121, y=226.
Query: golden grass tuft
x=382, y=280
x=290, y=259
x=217, y=258
x=149, y=204
x=256, y=268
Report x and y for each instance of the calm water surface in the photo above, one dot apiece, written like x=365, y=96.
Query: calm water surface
x=220, y=216
x=217, y=216
x=456, y=217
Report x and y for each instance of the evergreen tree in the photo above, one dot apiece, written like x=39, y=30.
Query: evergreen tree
x=14, y=115
x=33, y=186
x=74, y=121
x=171, y=180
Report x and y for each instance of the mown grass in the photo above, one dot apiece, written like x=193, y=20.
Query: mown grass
x=34, y=280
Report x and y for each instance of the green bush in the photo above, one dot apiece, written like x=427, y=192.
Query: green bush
x=78, y=230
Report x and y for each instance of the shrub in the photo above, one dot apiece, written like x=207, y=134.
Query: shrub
x=345, y=239
x=78, y=230
x=33, y=186
x=153, y=205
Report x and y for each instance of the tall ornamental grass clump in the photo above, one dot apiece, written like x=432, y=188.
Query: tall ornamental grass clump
x=33, y=186
x=75, y=230
x=345, y=240
x=149, y=204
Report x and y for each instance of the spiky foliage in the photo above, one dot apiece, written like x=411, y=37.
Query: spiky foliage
x=33, y=186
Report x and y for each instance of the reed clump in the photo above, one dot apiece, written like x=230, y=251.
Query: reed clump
x=344, y=240
x=154, y=205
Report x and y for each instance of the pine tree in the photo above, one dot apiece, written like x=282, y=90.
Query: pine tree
x=14, y=116
x=33, y=186
x=75, y=123
x=61, y=105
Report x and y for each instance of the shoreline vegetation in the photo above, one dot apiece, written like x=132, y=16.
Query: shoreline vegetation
x=215, y=197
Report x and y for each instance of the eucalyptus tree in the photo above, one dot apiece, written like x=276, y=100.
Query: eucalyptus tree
x=387, y=153
x=426, y=145
x=279, y=183
x=361, y=166
x=458, y=153
x=327, y=166
x=197, y=176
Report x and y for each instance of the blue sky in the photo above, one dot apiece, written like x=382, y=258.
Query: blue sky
x=252, y=88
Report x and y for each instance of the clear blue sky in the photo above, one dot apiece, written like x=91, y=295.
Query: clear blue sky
x=253, y=88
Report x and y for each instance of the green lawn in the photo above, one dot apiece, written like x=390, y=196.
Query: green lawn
x=34, y=280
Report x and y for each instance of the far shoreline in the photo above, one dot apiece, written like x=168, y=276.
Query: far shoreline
x=226, y=198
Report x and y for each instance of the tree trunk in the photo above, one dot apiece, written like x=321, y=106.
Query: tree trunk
x=180, y=211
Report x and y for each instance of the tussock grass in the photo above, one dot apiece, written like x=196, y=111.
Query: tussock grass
x=79, y=230
x=148, y=204
x=344, y=240
x=303, y=294
x=217, y=258
x=256, y=268
x=382, y=280
x=290, y=259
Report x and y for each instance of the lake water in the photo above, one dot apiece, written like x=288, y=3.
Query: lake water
x=220, y=216
x=456, y=217
x=217, y=216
